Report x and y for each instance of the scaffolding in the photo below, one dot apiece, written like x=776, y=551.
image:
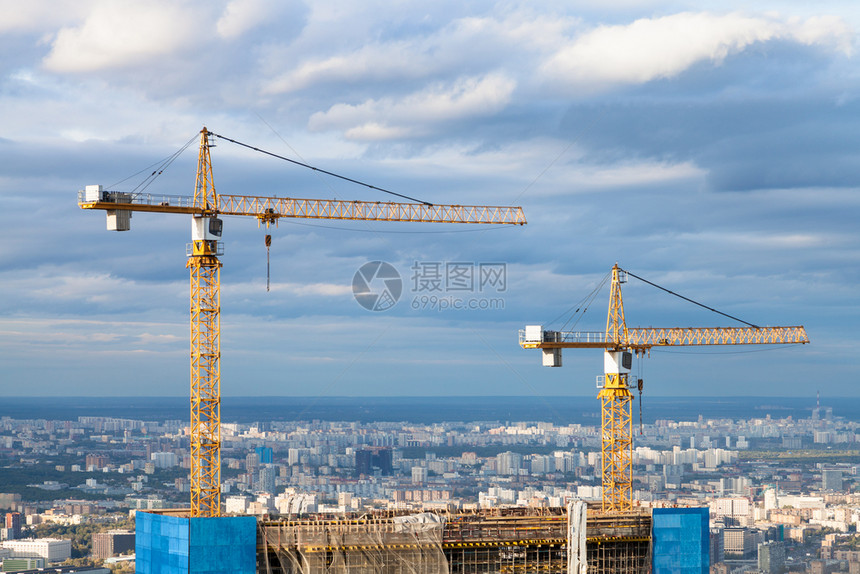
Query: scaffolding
x=514, y=540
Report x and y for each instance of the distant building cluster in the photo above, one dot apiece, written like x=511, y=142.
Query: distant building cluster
x=772, y=485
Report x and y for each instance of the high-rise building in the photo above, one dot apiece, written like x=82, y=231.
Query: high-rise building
x=419, y=475
x=771, y=557
x=374, y=459
x=831, y=480
x=13, y=523
x=265, y=454
x=509, y=463
x=739, y=542
x=164, y=459
x=112, y=543
x=266, y=482
x=717, y=552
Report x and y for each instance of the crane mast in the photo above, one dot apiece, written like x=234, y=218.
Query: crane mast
x=205, y=281
x=616, y=424
x=619, y=342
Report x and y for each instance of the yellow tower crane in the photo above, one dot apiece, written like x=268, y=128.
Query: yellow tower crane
x=205, y=208
x=619, y=343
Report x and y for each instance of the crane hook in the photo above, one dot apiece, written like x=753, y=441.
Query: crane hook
x=268, y=266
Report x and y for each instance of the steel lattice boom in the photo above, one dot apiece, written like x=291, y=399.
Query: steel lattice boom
x=644, y=338
x=273, y=208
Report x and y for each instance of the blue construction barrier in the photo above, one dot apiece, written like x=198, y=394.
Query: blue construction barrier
x=680, y=541
x=175, y=545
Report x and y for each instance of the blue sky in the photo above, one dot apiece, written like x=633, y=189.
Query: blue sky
x=709, y=147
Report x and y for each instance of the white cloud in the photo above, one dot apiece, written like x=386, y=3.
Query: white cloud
x=415, y=114
x=40, y=15
x=653, y=48
x=462, y=44
x=632, y=174
x=117, y=34
x=242, y=15
x=369, y=62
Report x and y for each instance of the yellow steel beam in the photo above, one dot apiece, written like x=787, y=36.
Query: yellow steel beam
x=367, y=210
x=616, y=444
x=643, y=338
x=205, y=275
x=273, y=208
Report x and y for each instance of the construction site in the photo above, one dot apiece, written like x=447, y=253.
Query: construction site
x=575, y=539
x=618, y=537
x=494, y=540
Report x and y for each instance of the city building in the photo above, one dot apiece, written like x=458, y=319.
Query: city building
x=9, y=501
x=112, y=543
x=739, y=542
x=831, y=480
x=369, y=460
x=19, y=564
x=13, y=525
x=51, y=549
x=264, y=454
x=164, y=459
x=419, y=475
x=266, y=481
x=771, y=557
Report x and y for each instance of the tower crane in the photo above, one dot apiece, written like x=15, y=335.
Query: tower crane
x=619, y=342
x=205, y=207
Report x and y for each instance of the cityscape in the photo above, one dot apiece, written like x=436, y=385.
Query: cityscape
x=781, y=492
x=321, y=287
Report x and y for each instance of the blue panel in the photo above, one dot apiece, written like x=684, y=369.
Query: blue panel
x=224, y=545
x=174, y=545
x=680, y=541
x=161, y=544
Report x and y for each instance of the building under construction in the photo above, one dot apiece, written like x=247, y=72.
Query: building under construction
x=515, y=540
x=494, y=540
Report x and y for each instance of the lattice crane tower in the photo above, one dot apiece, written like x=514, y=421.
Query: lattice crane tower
x=205, y=273
x=619, y=343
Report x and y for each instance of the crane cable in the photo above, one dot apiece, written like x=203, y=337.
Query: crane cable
x=583, y=305
x=691, y=301
x=159, y=169
x=349, y=179
x=640, y=384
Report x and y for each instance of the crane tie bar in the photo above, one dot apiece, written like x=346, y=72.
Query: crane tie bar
x=343, y=177
x=691, y=301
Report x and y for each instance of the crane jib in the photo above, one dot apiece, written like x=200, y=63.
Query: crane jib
x=274, y=208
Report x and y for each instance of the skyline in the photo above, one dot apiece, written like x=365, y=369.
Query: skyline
x=706, y=148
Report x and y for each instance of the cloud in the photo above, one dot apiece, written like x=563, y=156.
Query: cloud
x=460, y=46
x=40, y=15
x=118, y=34
x=368, y=62
x=240, y=16
x=655, y=48
x=417, y=114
